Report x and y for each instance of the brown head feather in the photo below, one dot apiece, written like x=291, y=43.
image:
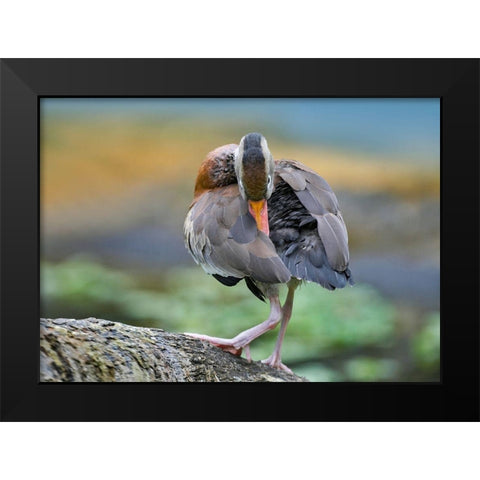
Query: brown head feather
x=217, y=170
x=254, y=180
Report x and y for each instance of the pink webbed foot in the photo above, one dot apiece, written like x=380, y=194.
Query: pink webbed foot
x=242, y=341
x=225, y=344
x=274, y=361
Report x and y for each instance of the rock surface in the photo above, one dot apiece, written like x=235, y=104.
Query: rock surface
x=95, y=350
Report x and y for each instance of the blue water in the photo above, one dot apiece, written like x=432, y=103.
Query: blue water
x=407, y=128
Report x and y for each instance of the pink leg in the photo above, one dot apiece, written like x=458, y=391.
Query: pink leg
x=274, y=360
x=236, y=344
x=248, y=355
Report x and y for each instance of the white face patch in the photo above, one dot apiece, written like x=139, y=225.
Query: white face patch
x=241, y=188
x=269, y=165
x=238, y=155
x=265, y=150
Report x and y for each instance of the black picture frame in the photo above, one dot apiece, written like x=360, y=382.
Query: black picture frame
x=25, y=81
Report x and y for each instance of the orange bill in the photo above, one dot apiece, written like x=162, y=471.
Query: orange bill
x=259, y=212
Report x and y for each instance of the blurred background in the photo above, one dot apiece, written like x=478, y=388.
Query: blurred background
x=117, y=179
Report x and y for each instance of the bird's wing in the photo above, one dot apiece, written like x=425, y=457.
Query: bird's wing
x=223, y=238
x=321, y=203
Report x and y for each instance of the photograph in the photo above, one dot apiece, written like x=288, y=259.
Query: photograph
x=239, y=239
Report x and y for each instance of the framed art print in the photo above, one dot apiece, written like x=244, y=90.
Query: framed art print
x=103, y=188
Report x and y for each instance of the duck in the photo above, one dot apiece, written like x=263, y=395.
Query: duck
x=267, y=222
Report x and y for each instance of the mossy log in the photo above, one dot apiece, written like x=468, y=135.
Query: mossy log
x=95, y=350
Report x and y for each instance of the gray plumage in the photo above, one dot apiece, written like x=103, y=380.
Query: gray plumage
x=224, y=241
x=307, y=228
x=308, y=238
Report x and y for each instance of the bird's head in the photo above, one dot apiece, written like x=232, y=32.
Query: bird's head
x=254, y=167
